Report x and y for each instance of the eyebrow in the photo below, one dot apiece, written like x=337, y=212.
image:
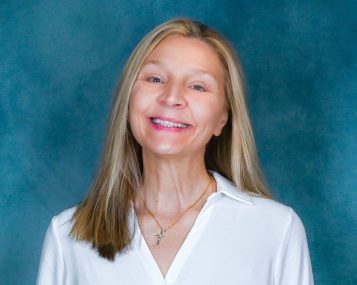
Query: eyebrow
x=195, y=70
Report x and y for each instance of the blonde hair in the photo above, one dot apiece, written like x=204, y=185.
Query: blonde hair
x=102, y=218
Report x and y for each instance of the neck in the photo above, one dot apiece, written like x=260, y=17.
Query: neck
x=171, y=184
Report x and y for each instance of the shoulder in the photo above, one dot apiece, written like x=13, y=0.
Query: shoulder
x=65, y=215
x=254, y=207
x=280, y=211
x=268, y=206
x=62, y=222
x=252, y=201
x=276, y=215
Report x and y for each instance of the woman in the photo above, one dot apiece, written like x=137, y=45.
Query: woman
x=178, y=197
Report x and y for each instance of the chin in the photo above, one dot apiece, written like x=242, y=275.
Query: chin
x=165, y=151
x=169, y=150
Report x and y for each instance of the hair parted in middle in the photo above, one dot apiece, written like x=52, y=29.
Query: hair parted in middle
x=102, y=218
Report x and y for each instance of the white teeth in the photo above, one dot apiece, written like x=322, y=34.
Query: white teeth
x=168, y=124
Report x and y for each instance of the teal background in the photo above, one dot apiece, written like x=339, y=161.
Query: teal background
x=59, y=61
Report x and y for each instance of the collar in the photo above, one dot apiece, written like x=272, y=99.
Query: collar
x=226, y=187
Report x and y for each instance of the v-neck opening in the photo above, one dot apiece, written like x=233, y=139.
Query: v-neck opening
x=184, y=251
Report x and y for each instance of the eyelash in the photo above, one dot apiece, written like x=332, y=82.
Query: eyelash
x=156, y=79
x=202, y=88
x=153, y=79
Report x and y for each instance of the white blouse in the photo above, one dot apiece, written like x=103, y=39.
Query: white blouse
x=237, y=238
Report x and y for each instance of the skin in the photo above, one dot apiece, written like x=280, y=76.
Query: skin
x=181, y=79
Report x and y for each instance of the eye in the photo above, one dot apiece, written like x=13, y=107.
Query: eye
x=154, y=79
x=198, y=87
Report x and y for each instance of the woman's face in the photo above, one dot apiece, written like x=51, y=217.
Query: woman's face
x=177, y=102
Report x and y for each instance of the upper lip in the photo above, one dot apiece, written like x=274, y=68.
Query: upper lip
x=170, y=120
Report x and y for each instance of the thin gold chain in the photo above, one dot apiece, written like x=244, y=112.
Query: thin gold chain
x=179, y=217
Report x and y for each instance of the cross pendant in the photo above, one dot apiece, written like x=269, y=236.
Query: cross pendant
x=160, y=236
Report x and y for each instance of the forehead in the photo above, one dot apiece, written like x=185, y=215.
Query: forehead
x=186, y=52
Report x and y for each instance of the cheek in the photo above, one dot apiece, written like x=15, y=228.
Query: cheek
x=134, y=110
x=141, y=97
x=134, y=96
x=209, y=112
x=136, y=102
x=139, y=105
x=214, y=119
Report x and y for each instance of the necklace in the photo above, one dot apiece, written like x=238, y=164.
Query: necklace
x=163, y=230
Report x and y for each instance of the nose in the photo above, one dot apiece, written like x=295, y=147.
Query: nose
x=173, y=96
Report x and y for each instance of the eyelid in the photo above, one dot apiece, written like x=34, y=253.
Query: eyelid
x=203, y=89
x=154, y=75
x=201, y=84
x=148, y=71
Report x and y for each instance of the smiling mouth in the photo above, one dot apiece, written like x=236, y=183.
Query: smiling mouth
x=169, y=124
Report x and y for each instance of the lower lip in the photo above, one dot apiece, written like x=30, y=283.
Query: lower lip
x=162, y=128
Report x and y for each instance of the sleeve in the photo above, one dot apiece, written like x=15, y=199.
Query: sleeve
x=293, y=264
x=51, y=268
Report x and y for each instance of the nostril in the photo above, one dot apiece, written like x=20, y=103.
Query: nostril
x=173, y=101
x=173, y=95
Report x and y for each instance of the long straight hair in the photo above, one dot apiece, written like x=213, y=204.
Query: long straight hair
x=102, y=218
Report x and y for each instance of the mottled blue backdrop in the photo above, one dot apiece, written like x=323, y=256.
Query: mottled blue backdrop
x=59, y=61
